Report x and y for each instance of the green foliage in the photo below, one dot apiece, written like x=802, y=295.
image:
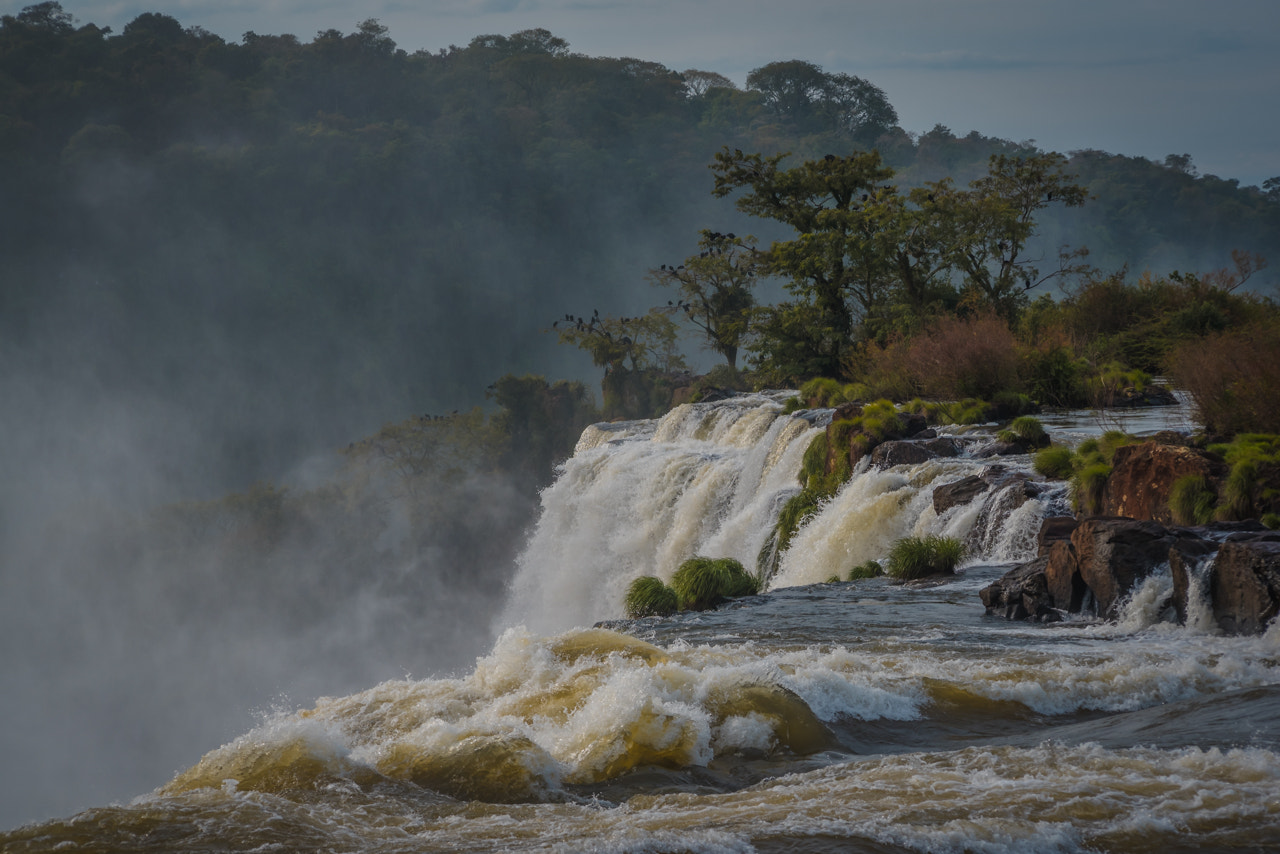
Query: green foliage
x=798, y=508
x=879, y=420
x=716, y=289
x=701, y=582
x=1054, y=377
x=1271, y=521
x=1028, y=429
x=647, y=596
x=1088, y=486
x=1107, y=387
x=541, y=421
x=967, y=411
x=1054, y=462
x=1238, y=492
x=869, y=569
x=917, y=557
x=1192, y=500
x=1013, y=403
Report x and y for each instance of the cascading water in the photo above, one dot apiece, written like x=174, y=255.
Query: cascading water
x=824, y=717
x=640, y=498
x=709, y=479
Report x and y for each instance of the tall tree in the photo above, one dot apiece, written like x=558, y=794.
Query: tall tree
x=716, y=289
x=992, y=222
x=831, y=259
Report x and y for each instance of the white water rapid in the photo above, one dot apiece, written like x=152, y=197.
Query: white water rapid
x=639, y=498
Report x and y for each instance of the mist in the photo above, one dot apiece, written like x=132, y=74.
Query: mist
x=223, y=264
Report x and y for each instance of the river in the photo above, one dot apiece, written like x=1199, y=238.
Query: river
x=818, y=716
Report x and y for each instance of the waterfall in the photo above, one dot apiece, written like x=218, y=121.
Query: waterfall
x=640, y=497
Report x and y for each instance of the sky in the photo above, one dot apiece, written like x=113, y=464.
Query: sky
x=1136, y=77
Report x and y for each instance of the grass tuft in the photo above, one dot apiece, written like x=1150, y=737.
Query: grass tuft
x=701, y=582
x=1191, y=500
x=870, y=569
x=917, y=557
x=649, y=597
x=1054, y=462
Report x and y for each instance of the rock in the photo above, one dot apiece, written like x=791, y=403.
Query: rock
x=1142, y=476
x=1021, y=594
x=1244, y=585
x=1170, y=437
x=1114, y=554
x=1054, y=529
x=913, y=423
x=962, y=491
x=944, y=447
x=847, y=412
x=927, y=433
x=900, y=452
x=998, y=449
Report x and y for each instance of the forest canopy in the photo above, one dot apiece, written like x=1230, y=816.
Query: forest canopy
x=297, y=240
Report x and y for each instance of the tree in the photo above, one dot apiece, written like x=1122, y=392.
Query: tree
x=804, y=95
x=716, y=289
x=992, y=222
x=638, y=355
x=857, y=107
x=832, y=258
x=1271, y=188
x=790, y=88
x=698, y=83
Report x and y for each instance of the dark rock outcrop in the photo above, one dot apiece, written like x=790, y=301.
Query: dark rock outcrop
x=1113, y=554
x=1142, y=477
x=1244, y=586
x=1096, y=563
x=965, y=490
x=900, y=452
x=958, y=492
x=1021, y=594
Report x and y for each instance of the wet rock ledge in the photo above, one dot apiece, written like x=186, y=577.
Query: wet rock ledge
x=1090, y=566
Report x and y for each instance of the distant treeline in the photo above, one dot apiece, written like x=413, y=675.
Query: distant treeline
x=300, y=240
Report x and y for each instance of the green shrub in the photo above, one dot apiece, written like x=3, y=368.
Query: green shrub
x=1088, y=486
x=1054, y=377
x=1013, y=403
x=1191, y=500
x=1028, y=429
x=917, y=557
x=649, y=597
x=821, y=392
x=969, y=411
x=1237, y=492
x=870, y=569
x=701, y=582
x=880, y=420
x=1054, y=462
x=1271, y=520
x=799, y=507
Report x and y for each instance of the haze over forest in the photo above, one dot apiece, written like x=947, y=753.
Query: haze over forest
x=223, y=260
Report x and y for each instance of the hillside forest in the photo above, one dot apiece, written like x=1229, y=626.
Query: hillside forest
x=224, y=261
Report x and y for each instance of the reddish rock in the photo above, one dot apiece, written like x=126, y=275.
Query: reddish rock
x=1113, y=554
x=1062, y=577
x=1053, y=529
x=1245, y=585
x=1142, y=476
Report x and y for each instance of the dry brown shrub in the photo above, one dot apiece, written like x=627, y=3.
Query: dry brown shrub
x=964, y=357
x=1233, y=378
